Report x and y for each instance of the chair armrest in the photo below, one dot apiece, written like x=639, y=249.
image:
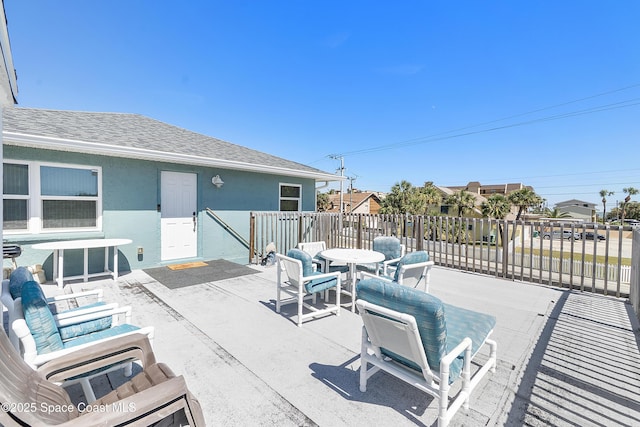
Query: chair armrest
x=428, y=264
x=98, y=293
x=64, y=319
x=105, y=353
x=42, y=359
x=386, y=264
x=457, y=351
x=65, y=315
x=336, y=274
x=367, y=275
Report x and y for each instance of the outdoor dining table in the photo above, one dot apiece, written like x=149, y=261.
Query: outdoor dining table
x=352, y=257
x=58, y=249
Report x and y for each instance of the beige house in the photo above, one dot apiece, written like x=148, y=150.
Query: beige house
x=356, y=202
x=578, y=209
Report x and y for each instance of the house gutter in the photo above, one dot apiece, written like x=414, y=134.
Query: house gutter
x=49, y=143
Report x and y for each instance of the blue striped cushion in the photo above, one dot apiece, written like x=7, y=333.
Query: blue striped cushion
x=442, y=326
x=410, y=258
x=39, y=319
x=18, y=277
x=72, y=331
x=319, y=285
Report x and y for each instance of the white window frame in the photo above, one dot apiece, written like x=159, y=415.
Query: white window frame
x=34, y=199
x=281, y=199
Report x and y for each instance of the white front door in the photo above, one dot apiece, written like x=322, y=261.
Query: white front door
x=179, y=229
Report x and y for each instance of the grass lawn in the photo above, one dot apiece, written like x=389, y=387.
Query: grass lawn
x=576, y=256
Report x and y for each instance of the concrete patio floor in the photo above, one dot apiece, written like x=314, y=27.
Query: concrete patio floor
x=564, y=358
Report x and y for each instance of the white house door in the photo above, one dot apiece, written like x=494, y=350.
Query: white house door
x=179, y=227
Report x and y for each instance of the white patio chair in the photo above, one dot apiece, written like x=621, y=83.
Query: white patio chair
x=323, y=265
x=422, y=341
x=296, y=278
x=88, y=301
x=44, y=336
x=412, y=270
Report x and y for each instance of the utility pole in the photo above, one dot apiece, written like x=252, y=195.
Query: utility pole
x=341, y=170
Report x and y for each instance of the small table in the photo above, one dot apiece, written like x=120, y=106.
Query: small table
x=58, y=256
x=353, y=257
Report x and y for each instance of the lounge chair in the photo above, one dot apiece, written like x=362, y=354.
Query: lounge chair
x=413, y=270
x=301, y=282
x=32, y=398
x=12, y=288
x=422, y=341
x=44, y=336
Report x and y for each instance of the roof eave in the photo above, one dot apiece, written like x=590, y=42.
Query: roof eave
x=49, y=143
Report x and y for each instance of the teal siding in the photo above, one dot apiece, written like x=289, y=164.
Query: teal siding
x=130, y=201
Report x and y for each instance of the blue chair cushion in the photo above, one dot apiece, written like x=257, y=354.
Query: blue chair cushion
x=389, y=246
x=441, y=326
x=18, y=278
x=304, y=258
x=410, y=258
x=72, y=331
x=39, y=319
x=106, y=333
x=319, y=285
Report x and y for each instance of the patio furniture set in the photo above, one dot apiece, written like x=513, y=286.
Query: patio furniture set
x=46, y=349
x=406, y=332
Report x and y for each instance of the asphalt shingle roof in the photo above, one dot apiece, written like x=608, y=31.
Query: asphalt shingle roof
x=136, y=131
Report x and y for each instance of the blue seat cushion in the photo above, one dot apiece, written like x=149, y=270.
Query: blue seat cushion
x=18, y=277
x=319, y=285
x=106, y=333
x=39, y=319
x=410, y=258
x=441, y=326
x=72, y=331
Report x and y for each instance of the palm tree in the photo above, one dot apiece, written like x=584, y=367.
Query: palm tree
x=432, y=196
x=462, y=200
x=523, y=199
x=557, y=213
x=496, y=206
x=629, y=192
x=604, y=194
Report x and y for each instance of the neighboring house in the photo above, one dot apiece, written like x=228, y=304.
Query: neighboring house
x=482, y=193
x=85, y=175
x=356, y=202
x=578, y=209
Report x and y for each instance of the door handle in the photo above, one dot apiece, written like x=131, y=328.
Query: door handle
x=194, y=221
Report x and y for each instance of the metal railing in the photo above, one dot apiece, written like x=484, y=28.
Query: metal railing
x=533, y=251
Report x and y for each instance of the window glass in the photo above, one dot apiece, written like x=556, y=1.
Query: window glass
x=15, y=214
x=290, y=197
x=68, y=213
x=56, y=181
x=290, y=191
x=15, y=180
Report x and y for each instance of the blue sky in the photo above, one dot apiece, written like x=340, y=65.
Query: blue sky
x=545, y=93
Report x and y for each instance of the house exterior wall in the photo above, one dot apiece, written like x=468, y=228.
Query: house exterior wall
x=130, y=209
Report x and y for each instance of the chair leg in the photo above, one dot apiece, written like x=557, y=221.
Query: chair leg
x=87, y=390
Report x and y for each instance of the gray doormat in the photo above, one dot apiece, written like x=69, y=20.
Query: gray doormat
x=211, y=272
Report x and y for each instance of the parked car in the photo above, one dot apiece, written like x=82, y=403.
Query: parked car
x=557, y=234
x=589, y=235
